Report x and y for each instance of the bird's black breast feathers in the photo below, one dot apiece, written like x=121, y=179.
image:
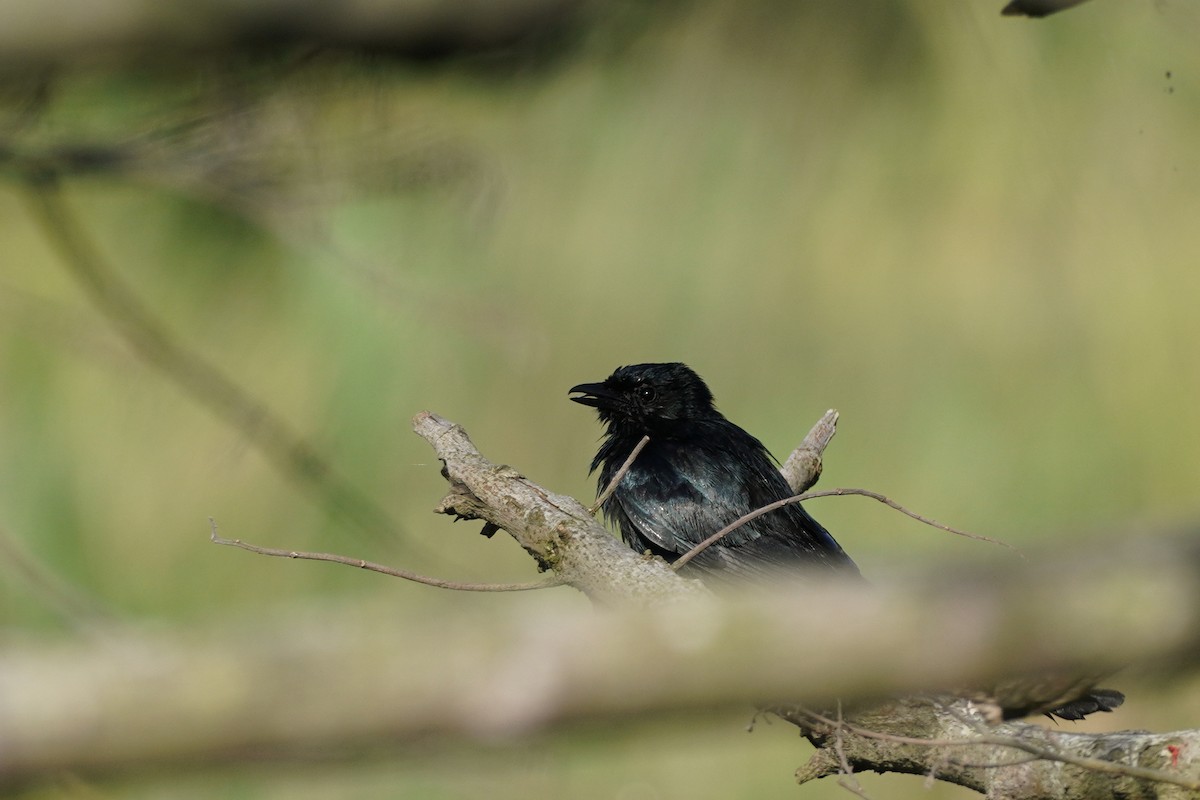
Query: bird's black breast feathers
x=698, y=473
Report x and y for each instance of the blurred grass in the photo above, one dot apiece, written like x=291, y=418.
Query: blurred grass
x=975, y=237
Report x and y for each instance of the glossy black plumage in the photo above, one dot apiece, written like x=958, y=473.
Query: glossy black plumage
x=1095, y=700
x=698, y=473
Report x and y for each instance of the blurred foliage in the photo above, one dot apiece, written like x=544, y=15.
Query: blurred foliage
x=973, y=236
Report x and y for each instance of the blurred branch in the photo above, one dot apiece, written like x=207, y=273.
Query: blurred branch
x=289, y=452
x=325, y=681
x=71, y=28
x=84, y=612
x=1037, y=8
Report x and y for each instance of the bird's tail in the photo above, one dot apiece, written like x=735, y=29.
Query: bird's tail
x=1093, y=701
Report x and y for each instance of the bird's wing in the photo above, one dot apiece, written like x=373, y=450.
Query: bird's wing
x=675, y=500
x=676, y=507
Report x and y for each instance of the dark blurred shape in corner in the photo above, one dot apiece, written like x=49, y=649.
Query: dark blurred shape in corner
x=1037, y=8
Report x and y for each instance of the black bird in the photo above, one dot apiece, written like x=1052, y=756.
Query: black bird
x=698, y=473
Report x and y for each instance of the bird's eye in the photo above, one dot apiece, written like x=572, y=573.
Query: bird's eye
x=646, y=392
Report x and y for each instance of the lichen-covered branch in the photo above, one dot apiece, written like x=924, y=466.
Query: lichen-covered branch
x=950, y=739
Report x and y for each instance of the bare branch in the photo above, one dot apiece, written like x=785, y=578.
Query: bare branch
x=802, y=470
x=371, y=566
x=803, y=467
x=758, y=512
x=954, y=725
x=83, y=27
x=848, y=781
x=616, y=479
x=887, y=501
x=555, y=529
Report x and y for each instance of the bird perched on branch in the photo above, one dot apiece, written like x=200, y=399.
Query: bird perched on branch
x=698, y=473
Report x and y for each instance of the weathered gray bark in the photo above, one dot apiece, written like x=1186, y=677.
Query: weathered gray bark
x=1002, y=761
x=555, y=529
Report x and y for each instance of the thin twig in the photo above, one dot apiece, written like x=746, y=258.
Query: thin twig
x=849, y=782
x=758, y=512
x=1051, y=754
x=887, y=501
x=546, y=583
x=612, y=485
x=853, y=788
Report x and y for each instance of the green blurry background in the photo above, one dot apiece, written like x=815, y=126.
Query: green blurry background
x=977, y=237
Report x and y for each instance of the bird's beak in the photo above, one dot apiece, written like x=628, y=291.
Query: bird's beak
x=593, y=394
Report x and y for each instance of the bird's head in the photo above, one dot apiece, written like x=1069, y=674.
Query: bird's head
x=648, y=398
